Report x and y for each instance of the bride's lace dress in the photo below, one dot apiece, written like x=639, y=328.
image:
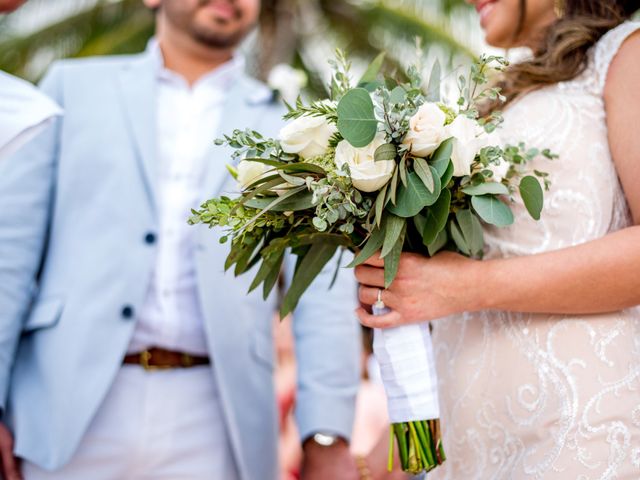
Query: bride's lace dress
x=527, y=396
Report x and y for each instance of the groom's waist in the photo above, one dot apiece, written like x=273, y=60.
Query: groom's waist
x=160, y=358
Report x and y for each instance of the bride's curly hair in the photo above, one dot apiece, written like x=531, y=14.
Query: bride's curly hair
x=563, y=54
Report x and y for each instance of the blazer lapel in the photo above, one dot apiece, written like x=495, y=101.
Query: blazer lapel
x=239, y=112
x=139, y=89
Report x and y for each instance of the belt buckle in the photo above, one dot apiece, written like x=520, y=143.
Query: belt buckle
x=145, y=356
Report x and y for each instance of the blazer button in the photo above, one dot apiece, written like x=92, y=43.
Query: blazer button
x=127, y=312
x=150, y=238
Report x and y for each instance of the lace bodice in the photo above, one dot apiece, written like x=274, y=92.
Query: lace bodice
x=529, y=396
x=586, y=200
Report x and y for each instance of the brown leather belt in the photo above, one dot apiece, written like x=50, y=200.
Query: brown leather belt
x=161, y=359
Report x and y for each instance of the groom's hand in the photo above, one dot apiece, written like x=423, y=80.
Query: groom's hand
x=334, y=462
x=9, y=467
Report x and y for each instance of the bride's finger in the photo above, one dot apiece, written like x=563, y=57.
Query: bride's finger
x=375, y=260
x=392, y=319
x=369, y=296
x=372, y=276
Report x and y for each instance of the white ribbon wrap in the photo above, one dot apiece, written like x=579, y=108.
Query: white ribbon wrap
x=408, y=372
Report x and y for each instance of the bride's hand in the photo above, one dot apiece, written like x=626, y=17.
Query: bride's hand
x=424, y=288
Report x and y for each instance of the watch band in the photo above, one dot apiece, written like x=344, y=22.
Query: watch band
x=324, y=439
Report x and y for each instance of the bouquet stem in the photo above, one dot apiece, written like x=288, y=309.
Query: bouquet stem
x=419, y=445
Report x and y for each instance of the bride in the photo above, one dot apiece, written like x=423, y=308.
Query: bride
x=539, y=353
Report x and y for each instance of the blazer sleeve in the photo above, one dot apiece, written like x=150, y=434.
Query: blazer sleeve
x=26, y=192
x=328, y=349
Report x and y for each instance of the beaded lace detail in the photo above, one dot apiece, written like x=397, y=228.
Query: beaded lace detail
x=529, y=396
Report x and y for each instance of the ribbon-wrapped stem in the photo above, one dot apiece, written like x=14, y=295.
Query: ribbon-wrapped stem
x=407, y=368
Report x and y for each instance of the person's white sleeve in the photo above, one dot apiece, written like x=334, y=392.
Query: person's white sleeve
x=24, y=112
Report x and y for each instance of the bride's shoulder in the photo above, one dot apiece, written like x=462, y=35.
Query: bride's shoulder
x=620, y=47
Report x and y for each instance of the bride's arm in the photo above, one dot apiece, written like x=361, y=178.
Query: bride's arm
x=596, y=277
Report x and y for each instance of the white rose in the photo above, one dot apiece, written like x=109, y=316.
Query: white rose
x=288, y=81
x=367, y=175
x=249, y=172
x=469, y=139
x=426, y=130
x=307, y=136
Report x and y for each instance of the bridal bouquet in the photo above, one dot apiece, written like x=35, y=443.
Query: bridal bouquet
x=382, y=165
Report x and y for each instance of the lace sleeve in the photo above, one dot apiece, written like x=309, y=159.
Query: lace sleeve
x=607, y=48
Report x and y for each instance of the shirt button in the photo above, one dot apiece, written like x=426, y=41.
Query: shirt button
x=150, y=238
x=127, y=312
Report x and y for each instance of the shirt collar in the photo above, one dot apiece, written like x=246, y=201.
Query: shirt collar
x=221, y=77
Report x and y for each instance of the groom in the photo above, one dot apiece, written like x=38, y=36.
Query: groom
x=125, y=351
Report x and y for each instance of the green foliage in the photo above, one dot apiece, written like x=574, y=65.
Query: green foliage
x=371, y=73
x=385, y=152
x=413, y=197
x=311, y=265
x=356, y=118
x=436, y=218
x=532, y=196
x=492, y=210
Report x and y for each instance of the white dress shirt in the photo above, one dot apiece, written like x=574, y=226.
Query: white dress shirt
x=24, y=112
x=187, y=123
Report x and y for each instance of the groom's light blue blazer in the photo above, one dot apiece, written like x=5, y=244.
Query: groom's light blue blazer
x=76, y=210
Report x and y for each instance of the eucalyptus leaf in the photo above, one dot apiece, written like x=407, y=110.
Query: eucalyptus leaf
x=394, y=228
x=421, y=167
x=439, y=243
x=492, y=210
x=392, y=261
x=420, y=222
x=393, y=187
x=294, y=200
x=381, y=201
x=436, y=219
x=264, y=188
x=243, y=262
x=402, y=167
x=272, y=276
x=442, y=154
x=458, y=238
x=336, y=272
x=302, y=167
x=433, y=88
x=471, y=229
x=532, y=196
x=385, y=152
x=371, y=86
x=291, y=179
x=314, y=261
x=356, y=118
x=269, y=263
x=493, y=188
x=390, y=82
x=371, y=74
x=397, y=96
x=376, y=239
x=447, y=176
x=415, y=196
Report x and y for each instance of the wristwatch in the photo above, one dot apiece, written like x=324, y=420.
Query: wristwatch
x=325, y=439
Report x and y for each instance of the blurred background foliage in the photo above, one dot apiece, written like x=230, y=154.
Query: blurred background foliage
x=299, y=32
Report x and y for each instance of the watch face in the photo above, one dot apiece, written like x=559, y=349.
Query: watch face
x=324, y=439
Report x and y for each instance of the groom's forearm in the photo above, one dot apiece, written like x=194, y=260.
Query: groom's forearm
x=596, y=277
